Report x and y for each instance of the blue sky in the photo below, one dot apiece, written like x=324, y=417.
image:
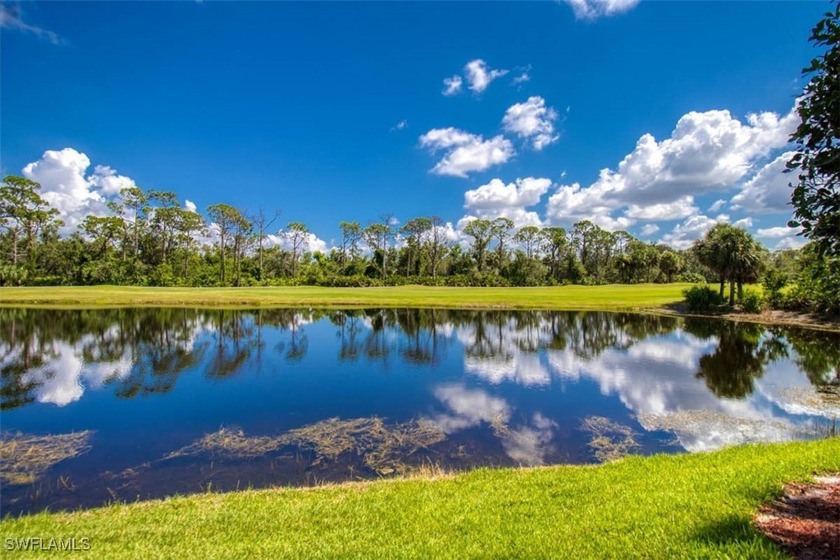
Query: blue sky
x=299, y=107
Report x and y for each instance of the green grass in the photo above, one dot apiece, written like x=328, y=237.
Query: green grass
x=686, y=506
x=613, y=297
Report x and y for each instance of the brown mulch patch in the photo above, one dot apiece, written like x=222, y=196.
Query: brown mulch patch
x=805, y=521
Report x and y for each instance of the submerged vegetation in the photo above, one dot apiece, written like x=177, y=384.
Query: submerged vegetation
x=229, y=443
x=610, y=440
x=382, y=447
x=23, y=457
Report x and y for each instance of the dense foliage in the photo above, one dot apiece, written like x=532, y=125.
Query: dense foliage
x=148, y=239
x=816, y=193
x=701, y=299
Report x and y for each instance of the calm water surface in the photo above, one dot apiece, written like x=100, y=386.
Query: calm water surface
x=127, y=404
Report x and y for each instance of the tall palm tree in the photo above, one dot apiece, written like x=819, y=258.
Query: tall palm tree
x=733, y=254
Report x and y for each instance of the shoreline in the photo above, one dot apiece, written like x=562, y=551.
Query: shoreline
x=653, y=299
x=663, y=505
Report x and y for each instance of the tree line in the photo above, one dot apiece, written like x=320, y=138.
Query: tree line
x=149, y=239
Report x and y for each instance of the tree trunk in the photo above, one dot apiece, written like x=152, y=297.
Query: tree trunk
x=731, y=292
x=222, y=258
x=721, y=286
x=740, y=289
x=261, y=257
x=30, y=253
x=236, y=257
x=14, y=233
x=136, y=235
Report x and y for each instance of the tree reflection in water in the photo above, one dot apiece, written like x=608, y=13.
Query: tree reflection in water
x=45, y=354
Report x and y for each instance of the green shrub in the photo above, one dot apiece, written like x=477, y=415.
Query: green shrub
x=753, y=301
x=702, y=298
x=774, y=281
x=692, y=277
x=13, y=275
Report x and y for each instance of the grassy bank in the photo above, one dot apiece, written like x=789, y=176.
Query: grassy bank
x=620, y=296
x=656, y=507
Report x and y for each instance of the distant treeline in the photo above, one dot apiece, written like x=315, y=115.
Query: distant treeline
x=148, y=239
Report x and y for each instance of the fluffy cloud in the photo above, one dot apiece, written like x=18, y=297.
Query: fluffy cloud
x=592, y=9
x=64, y=185
x=464, y=152
x=452, y=85
x=312, y=244
x=776, y=232
x=686, y=233
x=788, y=238
x=190, y=205
x=706, y=152
x=479, y=75
x=681, y=208
x=496, y=199
x=650, y=229
x=532, y=120
x=572, y=203
x=495, y=194
x=767, y=191
x=108, y=181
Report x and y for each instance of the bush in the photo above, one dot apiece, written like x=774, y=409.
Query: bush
x=692, y=277
x=357, y=281
x=753, y=301
x=774, y=281
x=13, y=275
x=702, y=298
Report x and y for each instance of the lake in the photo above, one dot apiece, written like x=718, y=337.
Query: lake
x=128, y=404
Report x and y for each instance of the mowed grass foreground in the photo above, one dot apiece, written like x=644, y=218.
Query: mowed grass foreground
x=685, y=506
x=613, y=297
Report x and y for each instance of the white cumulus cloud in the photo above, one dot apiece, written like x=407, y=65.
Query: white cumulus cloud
x=650, y=229
x=681, y=208
x=61, y=174
x=497, y=199
x=592, y=9
x=692, y=229
x=768, y=190
x=465, y=152
x=452, y=85
x=707, y=152
x=479, y=75
x=496, y=194
x=788, y=237
x=532, y=120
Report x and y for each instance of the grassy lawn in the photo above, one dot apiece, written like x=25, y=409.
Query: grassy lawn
x=685, y=506
x=618, y=296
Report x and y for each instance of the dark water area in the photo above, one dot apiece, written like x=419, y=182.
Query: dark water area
x=128, y=404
